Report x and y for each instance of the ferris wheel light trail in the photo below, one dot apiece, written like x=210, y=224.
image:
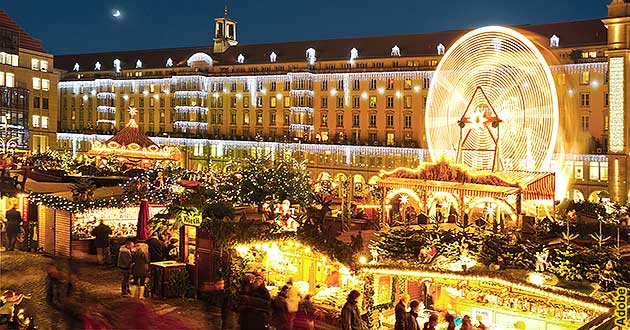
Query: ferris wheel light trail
x=493, y=80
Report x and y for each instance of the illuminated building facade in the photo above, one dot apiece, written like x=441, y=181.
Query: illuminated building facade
x=349, y=107
x=28, y=90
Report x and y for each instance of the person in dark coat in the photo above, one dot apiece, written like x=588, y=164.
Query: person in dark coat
x=257, y=304
x=125, y=261
x=157, y=250
x=401, y=312
x=411, y=318
x=140, y=269
x=14, y=220
x=448, y=317
x=305, y=317
x=101, y=241
x=280, y=310
x=350, y=315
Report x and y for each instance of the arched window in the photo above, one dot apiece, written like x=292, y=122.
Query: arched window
x=272, y=57
x=138, y=64
x=240, y=58
x=199, y=57
x=554, y=41
x=354, y=54
x=310, y=56
x=117, y=65
x=440, y=49
x=395, y=51
x=76, y=67
x=97, y=66
x=169, y=62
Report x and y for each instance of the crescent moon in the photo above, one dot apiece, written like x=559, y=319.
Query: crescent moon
x=116, y=13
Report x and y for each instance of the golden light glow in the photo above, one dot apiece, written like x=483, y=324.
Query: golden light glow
x=363, y=260
x=526, y=288
x=515, y=81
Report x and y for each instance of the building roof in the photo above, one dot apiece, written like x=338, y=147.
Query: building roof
x=26, y=40
x=572, y=34
x=131, y=134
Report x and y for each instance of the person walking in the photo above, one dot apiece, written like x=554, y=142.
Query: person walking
x=157, y=249
x=125, y=261
x=304, y=319
x=14, y=221
x=450, y=319
x=401, y=312
x=411, y=318
x=101, y=241
x=350, y=316
x=140, y=269
x=280, y=310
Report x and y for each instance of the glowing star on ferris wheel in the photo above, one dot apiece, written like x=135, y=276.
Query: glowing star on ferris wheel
x=482, y=120
x=132, y=111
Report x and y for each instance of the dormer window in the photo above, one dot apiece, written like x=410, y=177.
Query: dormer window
x=138, y=64
x=440, y=49
x=169, y=62
x=199, y=57
x=395, y=51
x=272, y=57
x=76, y=67
x=354, y=54
x=240, y=59
x=310, y=56
x=97, y=66
x=117, y=65
x=554, y=41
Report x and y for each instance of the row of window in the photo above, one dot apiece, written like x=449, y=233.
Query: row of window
x=7, y=79
x=43, y=84
x=39, y=65
x=9, y=59
x=40, y=121
x=389, y=120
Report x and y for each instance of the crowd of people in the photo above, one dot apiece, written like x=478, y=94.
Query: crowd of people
x=407, y=315
x=256, y=309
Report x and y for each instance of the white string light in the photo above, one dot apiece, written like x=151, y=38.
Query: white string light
x=105, y=109
x=190, y=124
x=191, y=109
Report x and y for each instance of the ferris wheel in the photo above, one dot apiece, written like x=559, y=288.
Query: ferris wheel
x=493, y=103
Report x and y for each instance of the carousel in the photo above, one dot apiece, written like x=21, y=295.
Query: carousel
x=132, y=147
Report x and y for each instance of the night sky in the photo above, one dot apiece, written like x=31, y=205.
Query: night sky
x=80, y=26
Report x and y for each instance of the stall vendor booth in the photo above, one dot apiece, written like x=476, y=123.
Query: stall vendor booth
x=496, y=302
x=62, y=233
x=312, y=273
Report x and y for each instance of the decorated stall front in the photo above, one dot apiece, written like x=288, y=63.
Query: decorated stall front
x=498, y=303
x=448, y=192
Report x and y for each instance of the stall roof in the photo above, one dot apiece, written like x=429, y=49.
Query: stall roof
x=64, y=190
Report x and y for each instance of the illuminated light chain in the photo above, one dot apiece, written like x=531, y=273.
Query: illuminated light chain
x=589, y=158
x=190, y=124
x=501, y=282
x=617, y=108
x=105, y=95
x=191, y=109
x=252, y=84
x=500, y=68
x=106, y=108
x=302, y=92
x=106, y=121
x=599, y=67
x=191, y=94
x=301, y=127
x=302, y=110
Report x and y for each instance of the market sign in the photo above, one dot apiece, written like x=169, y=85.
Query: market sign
x=191, y=217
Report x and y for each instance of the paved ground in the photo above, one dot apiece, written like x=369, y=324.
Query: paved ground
x=98, y=285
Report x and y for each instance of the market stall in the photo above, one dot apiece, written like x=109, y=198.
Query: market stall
x=328, y=282
x=497, y=302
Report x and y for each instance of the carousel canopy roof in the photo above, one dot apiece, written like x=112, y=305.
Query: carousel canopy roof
x=446, y=177
x=130, y=143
